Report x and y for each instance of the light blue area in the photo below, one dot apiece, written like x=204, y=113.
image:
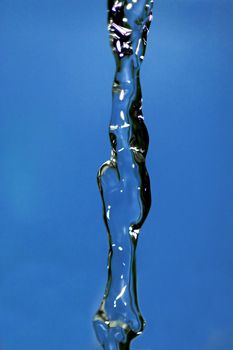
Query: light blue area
x=56, y=71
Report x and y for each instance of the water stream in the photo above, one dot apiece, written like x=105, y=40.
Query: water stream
x=123, y=180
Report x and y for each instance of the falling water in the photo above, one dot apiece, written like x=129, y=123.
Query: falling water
x=123, y=180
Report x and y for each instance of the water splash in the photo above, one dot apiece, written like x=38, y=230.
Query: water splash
x=123, y=180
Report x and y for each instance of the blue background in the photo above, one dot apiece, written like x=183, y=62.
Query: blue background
x=56, y=71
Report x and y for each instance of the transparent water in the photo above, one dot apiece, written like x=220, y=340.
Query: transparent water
x=123, y=180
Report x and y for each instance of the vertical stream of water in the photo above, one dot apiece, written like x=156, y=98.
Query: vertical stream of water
x=123, y=180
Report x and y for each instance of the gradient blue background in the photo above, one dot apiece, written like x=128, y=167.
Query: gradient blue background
x=56, y=71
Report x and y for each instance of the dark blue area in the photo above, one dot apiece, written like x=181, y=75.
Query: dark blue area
x=56, y=70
